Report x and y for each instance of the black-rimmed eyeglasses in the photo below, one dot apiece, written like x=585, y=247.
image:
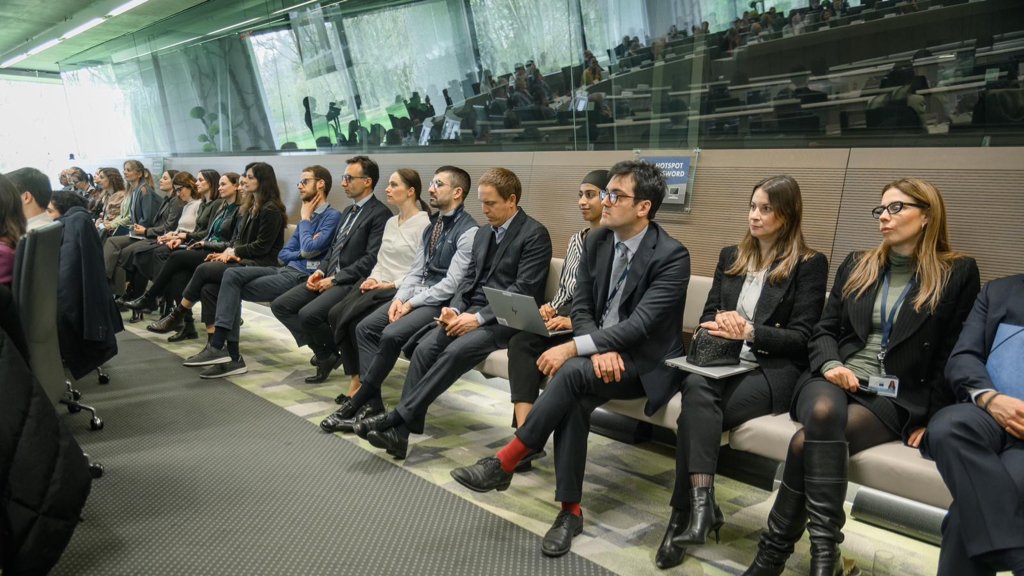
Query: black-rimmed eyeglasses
x=894, y=208
x=613, y=197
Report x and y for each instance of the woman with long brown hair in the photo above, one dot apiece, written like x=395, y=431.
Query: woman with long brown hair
x=12, y=227
x=767, y=292
x=260, y=238
x=893, y=315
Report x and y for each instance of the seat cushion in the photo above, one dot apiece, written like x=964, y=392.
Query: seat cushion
x=766, y=436
x=900, y=470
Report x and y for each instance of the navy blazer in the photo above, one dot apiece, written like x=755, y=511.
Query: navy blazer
x=918, y=348
x=520, y=264
x=1001, y=300
x=785, y=315
x=650, y=328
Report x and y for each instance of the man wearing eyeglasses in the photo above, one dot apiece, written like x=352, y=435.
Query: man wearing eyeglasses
x=436, y=272
x=299, y=258
x=304, y=308
x=627, y=315
x=513, y=254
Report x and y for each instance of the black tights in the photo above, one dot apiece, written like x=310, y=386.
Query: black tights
x=830, y=415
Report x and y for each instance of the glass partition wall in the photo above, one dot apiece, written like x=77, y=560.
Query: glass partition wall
x=434, y=75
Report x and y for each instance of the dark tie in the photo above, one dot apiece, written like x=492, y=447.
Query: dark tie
x=435, y=235
x=348, y=224
x=339, y=241
x=620, y=265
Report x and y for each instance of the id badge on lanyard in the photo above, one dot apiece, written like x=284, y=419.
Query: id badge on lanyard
x=888, y=384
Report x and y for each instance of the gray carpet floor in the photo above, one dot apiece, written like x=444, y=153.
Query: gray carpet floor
x=203, y=477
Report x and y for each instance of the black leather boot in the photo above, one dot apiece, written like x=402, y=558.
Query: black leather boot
x=705, y=516
x=144, y=303
x=169, y=323
x=669, y=554
x=825, y=473
x=785, y=526
x=187, y=331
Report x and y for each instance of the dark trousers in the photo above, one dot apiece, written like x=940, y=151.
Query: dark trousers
x=438, y=362
x=176, y=272
x=252, y=283
x=565, y=408
x=304, y=313
x=524, y=379
x=204, y=286
x=983, y=466
x=345, y=316
x=709, y=408
x=380, y=342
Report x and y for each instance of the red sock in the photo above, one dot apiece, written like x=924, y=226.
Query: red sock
x=573, y=508
x=512, y=453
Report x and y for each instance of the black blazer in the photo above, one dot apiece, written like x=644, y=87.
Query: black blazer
x=261, y=237
x=352, y=258
x=1000, y=301
x=785, y=315
x=650, y=329
x=520, y=264
x=167, y=218
x=920, y=341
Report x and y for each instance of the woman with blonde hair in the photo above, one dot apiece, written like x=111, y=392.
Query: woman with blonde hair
x=894, y=314
x=767, y=292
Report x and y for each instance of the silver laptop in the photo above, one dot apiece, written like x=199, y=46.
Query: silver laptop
x=713, y=372
x=518, y=311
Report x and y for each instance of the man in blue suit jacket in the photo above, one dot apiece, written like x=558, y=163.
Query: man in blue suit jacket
x=627, y=315
x=978, y=444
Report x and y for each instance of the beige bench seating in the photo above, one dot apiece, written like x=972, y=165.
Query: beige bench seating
x=891, y=468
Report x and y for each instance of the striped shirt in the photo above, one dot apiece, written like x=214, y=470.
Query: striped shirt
x=567, y=280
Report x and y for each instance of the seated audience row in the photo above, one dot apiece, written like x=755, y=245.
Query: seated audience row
x=864, y=368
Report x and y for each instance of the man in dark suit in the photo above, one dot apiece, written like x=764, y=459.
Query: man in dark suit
x=304, y=308
x=513, y=254
x=627, y=319
x=980, y=442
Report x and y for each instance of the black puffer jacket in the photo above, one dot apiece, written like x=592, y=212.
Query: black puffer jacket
x=44, y=477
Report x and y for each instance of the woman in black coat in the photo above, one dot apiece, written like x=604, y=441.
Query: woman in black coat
x=259, y=240
x=893, y=315
x=768, y=292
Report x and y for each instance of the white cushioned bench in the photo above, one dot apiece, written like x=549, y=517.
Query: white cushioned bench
x=890, y=468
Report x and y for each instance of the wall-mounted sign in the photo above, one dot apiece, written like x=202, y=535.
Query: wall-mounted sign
x=677, y=175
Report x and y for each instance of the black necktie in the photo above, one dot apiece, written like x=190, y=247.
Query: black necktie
x=349, y=222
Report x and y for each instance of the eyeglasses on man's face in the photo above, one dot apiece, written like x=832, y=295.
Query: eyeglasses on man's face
x=894, y=208
x=348, y=178
x=613, y=197
x=438, y=184
x=304, y=181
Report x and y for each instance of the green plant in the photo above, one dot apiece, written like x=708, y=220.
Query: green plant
x=212, y=129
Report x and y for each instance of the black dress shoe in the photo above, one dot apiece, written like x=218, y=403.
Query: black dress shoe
x=484, y=476
x=345, y=412
x=373, y=424
x=345, y=424
x=187, y=332
x=390, y=440
x=324, y=367
x=558, y=540
x=340, y=398
x=169, y=323
x=137, y=316
x=526, y=464
x=146, y=303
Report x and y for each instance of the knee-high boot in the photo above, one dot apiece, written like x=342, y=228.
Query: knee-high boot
x=785, y=526
x=825, y=479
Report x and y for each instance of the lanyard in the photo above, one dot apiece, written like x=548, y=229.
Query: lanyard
x=887, y=321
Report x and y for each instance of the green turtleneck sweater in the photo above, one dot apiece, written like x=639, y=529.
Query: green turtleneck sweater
x=864, y=362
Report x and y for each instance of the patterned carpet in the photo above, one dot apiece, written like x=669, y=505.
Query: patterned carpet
x=627, y=489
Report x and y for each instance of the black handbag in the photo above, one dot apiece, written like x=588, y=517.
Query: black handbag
x=707, y=350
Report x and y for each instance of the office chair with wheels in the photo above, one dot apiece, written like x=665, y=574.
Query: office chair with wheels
x=36, y=265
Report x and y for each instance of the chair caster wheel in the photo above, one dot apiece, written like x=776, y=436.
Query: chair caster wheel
x=95, y=424
x=96, y=470
x=76, y=395
x=72, y=409
x=104, y=379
